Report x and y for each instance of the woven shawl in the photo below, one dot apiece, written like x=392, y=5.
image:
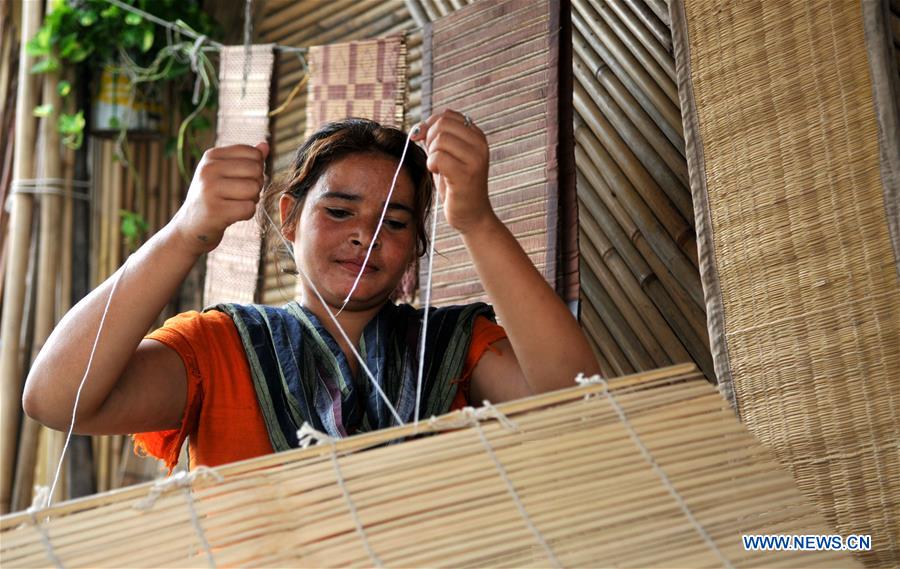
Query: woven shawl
x=300, y=374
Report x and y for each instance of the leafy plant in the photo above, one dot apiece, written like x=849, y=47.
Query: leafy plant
x=92, y=34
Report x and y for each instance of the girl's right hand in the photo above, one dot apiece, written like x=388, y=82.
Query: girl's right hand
x=225, y=190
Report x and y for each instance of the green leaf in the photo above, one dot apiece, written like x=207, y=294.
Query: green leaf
x=43, y=110
x=148, y=40
x=87, y=18
x=71, y=124
x=133, y=19
x=114, y=122
x=64, y=88
x=131, y=37
x=69, y=44
x=80, y=54
x=47, y=65
x=34, y=47
x=110, y=12
x=171, y=147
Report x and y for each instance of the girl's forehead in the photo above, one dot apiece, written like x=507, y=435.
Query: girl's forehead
x=366, y=176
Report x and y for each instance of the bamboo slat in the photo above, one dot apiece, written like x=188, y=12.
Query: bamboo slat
x=647, y=432
x=654, y=101
x=652, y=22
x=14, y=275
x=651, y=227
x=655, y=170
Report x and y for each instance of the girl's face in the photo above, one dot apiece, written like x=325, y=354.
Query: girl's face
x=337, y=222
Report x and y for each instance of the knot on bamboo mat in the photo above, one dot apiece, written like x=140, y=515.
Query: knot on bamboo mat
x=181, y=479
x=468, y=416
x=308, y=435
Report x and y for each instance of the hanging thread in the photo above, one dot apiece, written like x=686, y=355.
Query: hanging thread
x=87, y=370
x=334, y=319
x=648, y=457
x=309, y=435
x=475, y=421
x=184, y=480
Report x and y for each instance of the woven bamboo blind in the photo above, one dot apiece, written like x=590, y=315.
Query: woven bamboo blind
x=500, y=63
x=791, y=174
x=599, y=472
x=232, y=269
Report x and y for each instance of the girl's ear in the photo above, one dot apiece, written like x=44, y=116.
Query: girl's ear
x=285, y=205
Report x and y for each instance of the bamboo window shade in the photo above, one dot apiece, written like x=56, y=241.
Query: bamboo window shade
x=500, y=63
x=232, y=268
x=573, y=458
x=793, y=155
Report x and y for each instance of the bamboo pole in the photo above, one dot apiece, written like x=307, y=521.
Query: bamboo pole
x=613, y=267
x=687, y=321
x=635, y=321
x=666, y=247
x=652, y=22
x=661, y=9
x=645, y=37
x=662, y=71
x=656, y=103
x=14, y=277
x=652, y=170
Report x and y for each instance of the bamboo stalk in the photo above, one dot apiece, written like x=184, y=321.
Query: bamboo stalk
x=619, y=271
x=661, y=9
x=14, y=276
x=624, y=305
x=652, y=22
x=604, y=339
x=653, y=169
x=656, y=103
x=594, y=160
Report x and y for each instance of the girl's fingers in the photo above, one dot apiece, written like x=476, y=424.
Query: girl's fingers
x=440, y=162
x=239, y=168
x=452, y=144
x=237, y=189
x=238, y=210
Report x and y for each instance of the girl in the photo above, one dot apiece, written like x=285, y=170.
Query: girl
x=238, y=381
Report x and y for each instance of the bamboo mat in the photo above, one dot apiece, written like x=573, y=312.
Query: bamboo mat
x=573, y=458
x=365, y=79
x=232, y=269
x=500, y=63
x=793, y=214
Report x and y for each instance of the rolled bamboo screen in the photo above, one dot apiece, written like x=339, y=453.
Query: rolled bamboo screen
x=651, y=470
x=232, y=269
x=501, y=63
x=792, y=137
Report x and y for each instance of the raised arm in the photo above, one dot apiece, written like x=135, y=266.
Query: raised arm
x=546, y=347
x=138, y=385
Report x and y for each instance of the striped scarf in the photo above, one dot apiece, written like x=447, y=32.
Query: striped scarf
x=300, y=374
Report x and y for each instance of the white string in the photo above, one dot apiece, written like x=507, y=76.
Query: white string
x=387, y=202
x=437, y=208
x=597, y=380
x=184, y=480
x=334, y=319
x=308, y=435
x=87, y=370
x=472, y=415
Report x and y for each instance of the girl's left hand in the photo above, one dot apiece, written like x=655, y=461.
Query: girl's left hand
x=458, y=156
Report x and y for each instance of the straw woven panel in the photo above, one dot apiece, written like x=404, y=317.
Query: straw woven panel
x=364, y=79
x=442, y=500
x=801, y=283
x=232, y=269
x=499, y=62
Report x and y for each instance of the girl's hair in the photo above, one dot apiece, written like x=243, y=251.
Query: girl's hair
x=338, y=139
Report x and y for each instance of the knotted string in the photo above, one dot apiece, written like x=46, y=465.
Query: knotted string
x=307, y=435
x=41, y=501
x=648, y=457
x=184, y=480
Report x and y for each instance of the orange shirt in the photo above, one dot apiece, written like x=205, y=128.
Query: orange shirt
x=222, y=419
